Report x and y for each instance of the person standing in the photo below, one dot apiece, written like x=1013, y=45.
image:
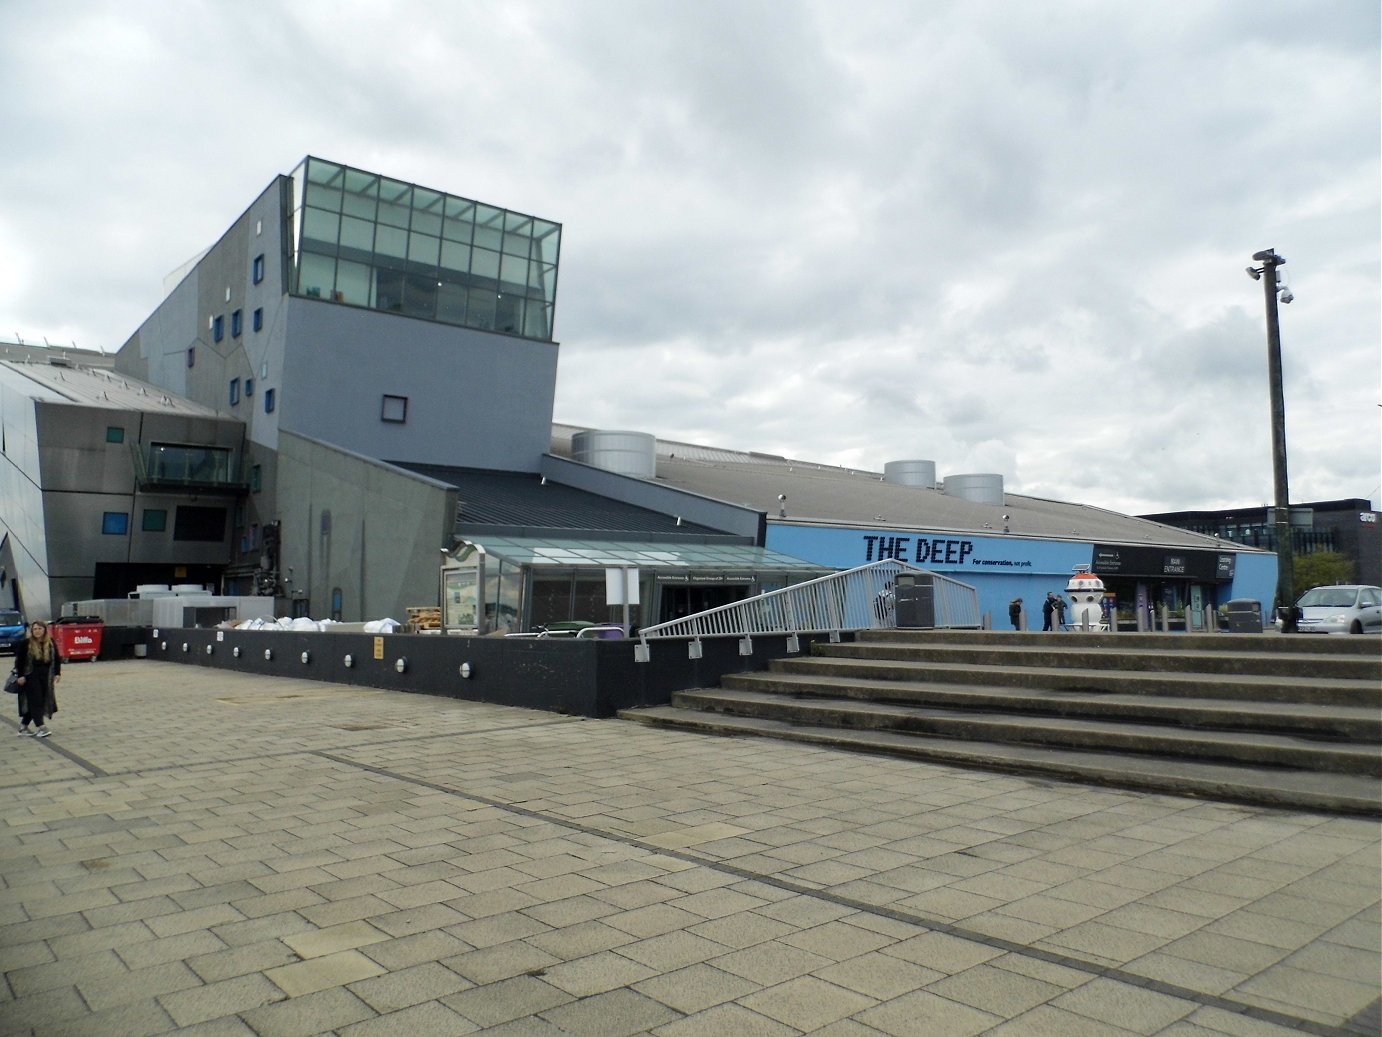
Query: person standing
x=39, y=666
x=1060, y=612
x=1047, y=607
x=1015, y=613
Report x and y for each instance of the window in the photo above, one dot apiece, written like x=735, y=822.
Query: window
x=270, y=402
x=191, y=356
x=258, y=269
x=115, y=434
x=258, y=319
x=237, y=323
x=192, y=522
x=218, y=329
x=249, y=387
x=234, y=391
x=256, y=478
x=155, y=520
x=395, y=409
x=115, y=523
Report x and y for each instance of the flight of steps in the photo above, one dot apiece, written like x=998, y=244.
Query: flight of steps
x=1290, y=721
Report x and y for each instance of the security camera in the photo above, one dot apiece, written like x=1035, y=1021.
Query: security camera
x=1006, y=517
x=1254, y=273
x=782, y=496
x=1286, y=295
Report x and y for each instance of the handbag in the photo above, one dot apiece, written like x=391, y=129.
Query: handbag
x=12, y=682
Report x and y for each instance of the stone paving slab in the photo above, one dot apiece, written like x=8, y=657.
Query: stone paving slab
x=203, y=852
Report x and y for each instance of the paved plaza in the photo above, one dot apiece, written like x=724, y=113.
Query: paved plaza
x=203, y=852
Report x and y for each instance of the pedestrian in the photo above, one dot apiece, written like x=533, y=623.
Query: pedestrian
x=39, y=666
x=1047, y=607
x=1015, y=613
x=1060, y=612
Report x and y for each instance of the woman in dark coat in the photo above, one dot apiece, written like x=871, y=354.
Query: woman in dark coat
x=39, y=666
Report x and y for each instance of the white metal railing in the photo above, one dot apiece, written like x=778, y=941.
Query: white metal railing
x=864, y=598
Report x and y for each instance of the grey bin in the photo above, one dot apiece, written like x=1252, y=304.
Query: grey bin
x=1244, y=616
x=916, y=601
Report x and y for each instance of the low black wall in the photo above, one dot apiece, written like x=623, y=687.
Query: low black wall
x=592, y=678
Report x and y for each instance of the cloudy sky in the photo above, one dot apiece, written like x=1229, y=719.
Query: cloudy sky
x=1006, y=237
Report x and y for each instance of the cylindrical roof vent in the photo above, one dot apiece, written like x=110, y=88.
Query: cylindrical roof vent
x=911, y=473
x=627, y=453
x=977, y=489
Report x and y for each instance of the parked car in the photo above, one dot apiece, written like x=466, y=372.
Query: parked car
x=12, y=630
x=1344, y=609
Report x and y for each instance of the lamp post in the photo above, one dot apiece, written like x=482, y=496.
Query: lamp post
x=1272, y=287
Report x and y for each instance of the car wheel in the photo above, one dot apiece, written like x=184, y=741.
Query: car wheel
x=1357, y=627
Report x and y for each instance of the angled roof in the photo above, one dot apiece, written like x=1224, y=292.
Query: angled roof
x=61, y=380
x=524, y=500
x=819, y=494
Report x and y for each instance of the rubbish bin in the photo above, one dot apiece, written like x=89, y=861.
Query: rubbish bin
x=1244, y=616
x=78, y=637
x=916, y=602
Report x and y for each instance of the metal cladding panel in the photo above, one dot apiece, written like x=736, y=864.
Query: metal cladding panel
x=911, y=473
x=976, y=488
x=626, y=453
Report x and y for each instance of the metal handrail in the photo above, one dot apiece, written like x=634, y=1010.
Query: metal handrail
x=862, y=598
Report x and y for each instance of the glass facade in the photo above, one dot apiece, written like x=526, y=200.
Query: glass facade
x=366, y=240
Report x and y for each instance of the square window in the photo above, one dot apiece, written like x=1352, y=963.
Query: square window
x=115, y=434
x=234, y=391
x=115, y=523
x=270, y=401
x=155, y=520
x=258, y=268
x=237, y=323
x=218, y=329
x=259, y=319
x=395, y=409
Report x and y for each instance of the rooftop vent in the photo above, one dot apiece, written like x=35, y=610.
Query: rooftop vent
x=977, y=489
x=625, y=453
x=911, y=473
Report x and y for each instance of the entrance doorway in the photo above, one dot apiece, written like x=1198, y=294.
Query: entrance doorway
x=687, y=599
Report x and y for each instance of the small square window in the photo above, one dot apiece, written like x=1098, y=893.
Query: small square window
x=249, y=386
x=258, y=274
x=270, y=401
x=155, y=520
x=234, y=391
x=237, y=323
x=258, y=321
x=115, y=434
x=115, y=523
x=395, y=409
x=218, y=328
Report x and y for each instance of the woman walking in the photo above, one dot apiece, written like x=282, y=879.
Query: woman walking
x=39, y=666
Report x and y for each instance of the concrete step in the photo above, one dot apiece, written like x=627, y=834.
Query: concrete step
x=1095, y=734
x=1337, y=723
x=1258, y=785
x=1114, y=655
x=1319, y=644
x=1241, y=687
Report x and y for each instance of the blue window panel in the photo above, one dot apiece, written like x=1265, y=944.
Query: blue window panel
x=258, y=269
x=115, y=434
x=270, y=400
x=115, y=523
x=237, y=323
x=234, y=391
x=191, y=356
x=259, y=319
x=249, y=387
x=218, y=329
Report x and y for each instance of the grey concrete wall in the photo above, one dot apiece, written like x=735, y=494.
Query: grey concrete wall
x=380, y=541
x=475, y=398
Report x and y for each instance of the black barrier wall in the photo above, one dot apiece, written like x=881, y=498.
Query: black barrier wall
x=591, y=678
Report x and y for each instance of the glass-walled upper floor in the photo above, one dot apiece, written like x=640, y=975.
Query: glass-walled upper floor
x=367, y=240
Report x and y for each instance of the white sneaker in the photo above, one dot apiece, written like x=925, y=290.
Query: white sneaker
x=42, y=732
x=24, y=732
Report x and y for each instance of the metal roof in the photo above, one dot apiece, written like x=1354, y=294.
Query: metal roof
x=544, y=552
x=83, y=385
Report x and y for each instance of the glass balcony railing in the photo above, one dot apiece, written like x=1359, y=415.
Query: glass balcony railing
x=171, y=465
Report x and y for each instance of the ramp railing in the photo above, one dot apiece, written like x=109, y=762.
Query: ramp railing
x=864, y=598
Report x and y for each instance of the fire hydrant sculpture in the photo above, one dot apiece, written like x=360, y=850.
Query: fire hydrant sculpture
x=1086, y=593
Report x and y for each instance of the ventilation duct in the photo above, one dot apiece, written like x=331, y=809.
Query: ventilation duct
x=977, y=489
x=911, y=473
x=626, y=453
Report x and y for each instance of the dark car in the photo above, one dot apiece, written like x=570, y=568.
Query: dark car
x=12, y=630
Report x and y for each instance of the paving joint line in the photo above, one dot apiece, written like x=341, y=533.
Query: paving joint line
x=1114, y=972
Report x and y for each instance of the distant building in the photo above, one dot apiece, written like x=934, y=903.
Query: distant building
x=1349, y=527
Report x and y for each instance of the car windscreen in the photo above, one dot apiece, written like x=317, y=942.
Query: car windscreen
x=10, y=618
x=1329, y=598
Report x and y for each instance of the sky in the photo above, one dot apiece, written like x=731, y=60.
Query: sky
x=1004, y=237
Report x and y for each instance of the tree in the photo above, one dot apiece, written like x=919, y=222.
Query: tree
x=1320, y=568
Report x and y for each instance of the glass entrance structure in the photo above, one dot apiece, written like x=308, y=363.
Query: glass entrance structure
x=367, y=240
